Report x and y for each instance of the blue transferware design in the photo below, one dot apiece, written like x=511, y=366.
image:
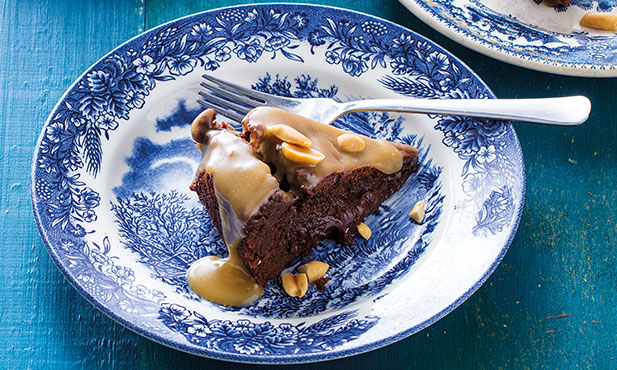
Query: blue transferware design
x=179, y=117
x=146, y=174
x=496, y=212
x=99, y=273
x=510, y=39
x=602, y=5
x=168, y=237
x=248, y=338
x=131, y=278
x=122, y=81
x=510, y=27
x=481, y=143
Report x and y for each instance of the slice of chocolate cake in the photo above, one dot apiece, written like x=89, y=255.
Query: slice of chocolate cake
x=279, y=188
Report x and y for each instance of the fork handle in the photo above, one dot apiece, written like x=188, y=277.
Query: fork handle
x=567, y=111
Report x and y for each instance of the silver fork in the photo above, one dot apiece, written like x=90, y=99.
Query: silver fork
x=234, y=102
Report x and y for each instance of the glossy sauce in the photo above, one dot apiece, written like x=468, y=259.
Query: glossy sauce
x=380, y=154
x=243, y=182
x=223, y=280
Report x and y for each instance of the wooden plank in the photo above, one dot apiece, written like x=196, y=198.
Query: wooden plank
x=161, y=11
x=44, y=46
x=562, y=260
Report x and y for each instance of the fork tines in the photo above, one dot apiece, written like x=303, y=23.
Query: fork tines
x=230, y=100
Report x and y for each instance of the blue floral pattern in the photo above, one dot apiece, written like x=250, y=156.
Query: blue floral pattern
x=121, y=83
x=99, y=273
x=481, y=143
x=483, y=146
x=248, y=338
x=72, y=209
x=164, y=234
x=168, y=237
x=577, y=52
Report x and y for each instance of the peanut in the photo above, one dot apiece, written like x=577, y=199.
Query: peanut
x=295, y=285
x=290, y=135
x=302, y=155
x=417, y=212
x=600, y=21
x=201, y=124
x=350, y=143
x=314, y=270
x=365, y=231
x=302, y=283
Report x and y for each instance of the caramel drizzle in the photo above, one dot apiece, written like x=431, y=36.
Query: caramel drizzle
x=243, y=182
x=380, y=154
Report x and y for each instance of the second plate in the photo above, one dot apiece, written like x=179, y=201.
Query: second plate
x=527, y=33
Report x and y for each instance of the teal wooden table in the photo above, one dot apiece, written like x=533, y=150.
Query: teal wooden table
x=563, y=261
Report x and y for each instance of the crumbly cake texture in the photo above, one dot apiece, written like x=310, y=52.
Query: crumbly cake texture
x=281, y=230
x=555, y=3
x=285, y=227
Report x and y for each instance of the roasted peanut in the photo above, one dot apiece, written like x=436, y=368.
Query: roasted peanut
x=201, y=124
x=295, y=285
x=350, y=143
x=314, y=270
x=365, y=231
x=600, y=21
x=417, y=212
x=302, y=155
x=289, y=285
x=302, y=283
x=290, y=135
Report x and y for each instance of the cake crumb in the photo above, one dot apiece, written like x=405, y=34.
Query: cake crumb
x=321, y=283
x=556, y=3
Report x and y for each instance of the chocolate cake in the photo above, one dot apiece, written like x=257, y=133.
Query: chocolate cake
x=285, y=184
x=556, y=3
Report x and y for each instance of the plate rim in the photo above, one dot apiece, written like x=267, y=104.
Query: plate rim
x=271, y=359
x=437, y=23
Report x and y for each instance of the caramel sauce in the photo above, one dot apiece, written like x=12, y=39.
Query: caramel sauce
x=223, y=280
x=243, y=182
x=379, y=154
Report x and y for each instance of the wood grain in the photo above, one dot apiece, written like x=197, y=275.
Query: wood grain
x=562, y=260
x=44, y=47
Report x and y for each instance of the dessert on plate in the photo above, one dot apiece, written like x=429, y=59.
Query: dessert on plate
x=279, y=188
x=598, y=20
x=556, y=3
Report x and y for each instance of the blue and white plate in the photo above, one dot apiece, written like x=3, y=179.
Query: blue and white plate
x=113, y=164
x=527, y=33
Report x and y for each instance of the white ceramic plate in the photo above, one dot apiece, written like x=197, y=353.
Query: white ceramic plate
x=113, y=164
x=527, y=33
